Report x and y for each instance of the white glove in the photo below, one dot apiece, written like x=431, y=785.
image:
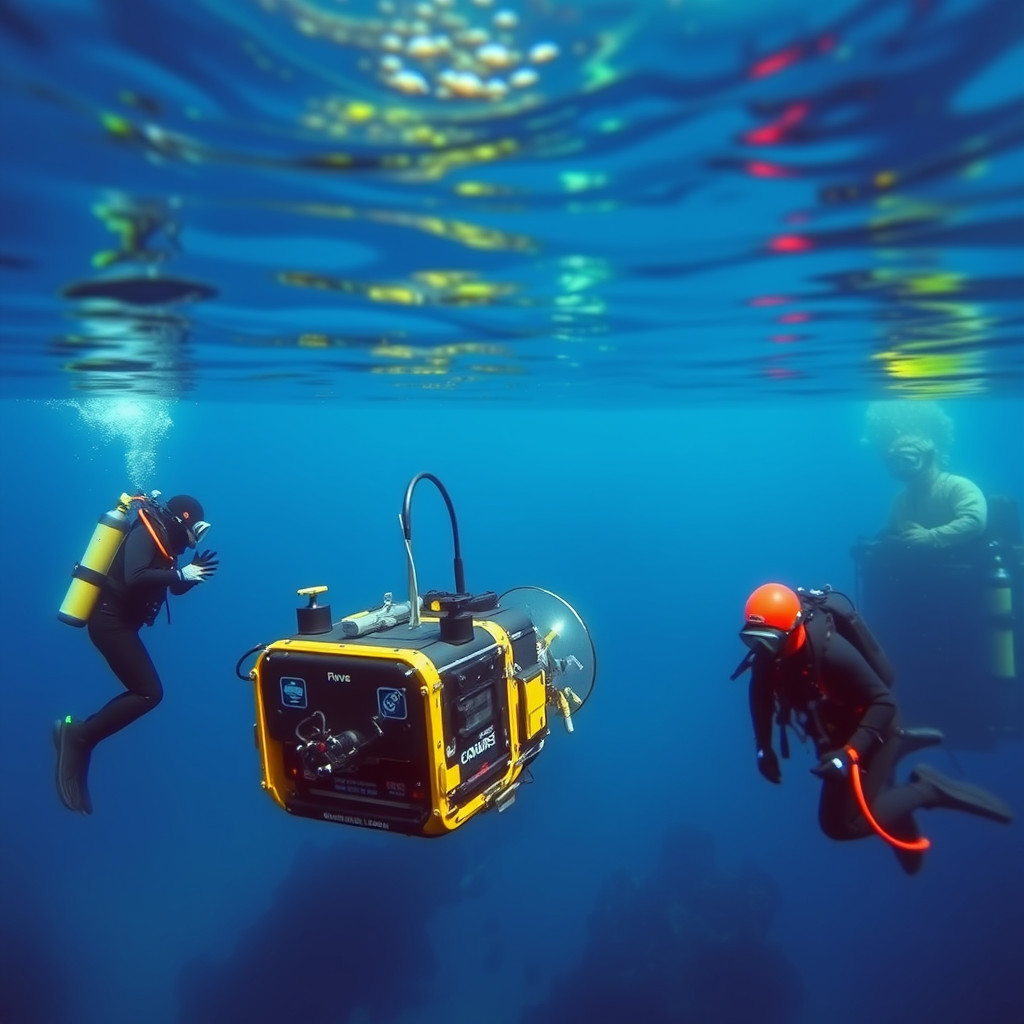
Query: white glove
x=202, y=567
x=199, y=529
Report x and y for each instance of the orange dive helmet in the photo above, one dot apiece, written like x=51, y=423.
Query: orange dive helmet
x=774, y=621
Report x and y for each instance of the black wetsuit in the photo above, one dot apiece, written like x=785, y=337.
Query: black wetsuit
x=136, y=590
x=841, y=702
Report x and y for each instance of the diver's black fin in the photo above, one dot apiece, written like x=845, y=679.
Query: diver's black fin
x=961, y=796
x=72, y=768
x=913, y=740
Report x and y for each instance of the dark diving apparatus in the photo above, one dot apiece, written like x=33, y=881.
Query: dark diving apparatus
x=416, y=715
x=946, y=616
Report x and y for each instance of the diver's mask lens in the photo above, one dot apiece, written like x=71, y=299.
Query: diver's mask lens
x=763, y=639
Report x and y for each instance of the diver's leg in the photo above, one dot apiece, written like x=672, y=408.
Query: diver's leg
x=894, y=808
x=893, y=805
x=912, y=740
x=840, y=814
x=130, y=662
x=841, y=818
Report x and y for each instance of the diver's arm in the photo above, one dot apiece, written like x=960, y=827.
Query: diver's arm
x=970, y=513
x=180, y=586
x=140, y=552
x=851, y=681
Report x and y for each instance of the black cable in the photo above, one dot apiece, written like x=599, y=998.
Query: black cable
x=238, y=664
x=460, y=576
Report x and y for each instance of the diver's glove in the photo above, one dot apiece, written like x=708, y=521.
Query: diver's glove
x=199, y=529
x=768, y=765
x=835, y=764
x=202, y=567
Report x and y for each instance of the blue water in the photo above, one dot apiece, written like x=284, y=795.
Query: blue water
x=633, y=315
x=227, y=198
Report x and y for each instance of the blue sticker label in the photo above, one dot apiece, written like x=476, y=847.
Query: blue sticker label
x=293, y=692
x=391, y=702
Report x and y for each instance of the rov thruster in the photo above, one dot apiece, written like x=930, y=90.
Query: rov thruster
x=416, y=715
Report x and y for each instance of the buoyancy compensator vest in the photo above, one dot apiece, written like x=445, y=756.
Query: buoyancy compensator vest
x=92, y=575
x=841, y=616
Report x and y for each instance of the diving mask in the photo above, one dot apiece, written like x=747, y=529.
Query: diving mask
x=762, y=639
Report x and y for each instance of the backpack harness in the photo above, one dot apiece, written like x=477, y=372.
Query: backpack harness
x=830, y=611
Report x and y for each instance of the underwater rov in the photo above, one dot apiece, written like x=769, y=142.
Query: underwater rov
x=415, y=716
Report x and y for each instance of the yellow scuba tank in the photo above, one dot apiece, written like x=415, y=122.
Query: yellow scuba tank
x=89, y=575
x=999, y=600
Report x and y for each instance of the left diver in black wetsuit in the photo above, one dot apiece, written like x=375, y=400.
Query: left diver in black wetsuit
x=801, y=664
x=144, y=569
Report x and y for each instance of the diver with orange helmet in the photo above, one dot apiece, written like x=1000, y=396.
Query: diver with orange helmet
x=816, y=668
x=145, y=567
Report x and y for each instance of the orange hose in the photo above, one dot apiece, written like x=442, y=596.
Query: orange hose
x=152, y=532
x=858, y=790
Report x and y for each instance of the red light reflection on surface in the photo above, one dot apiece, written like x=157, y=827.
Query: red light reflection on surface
x=769, y=300
x=794, y=318
x=769, y=134
x=775, y=62
x=790, y=243
x=783, y=339
x=763, y=169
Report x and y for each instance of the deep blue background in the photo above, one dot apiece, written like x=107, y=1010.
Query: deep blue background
x=655, y=524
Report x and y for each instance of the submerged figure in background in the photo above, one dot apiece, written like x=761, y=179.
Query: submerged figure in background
x=929, y=579
x=814, y=659
x=144, y=569
x=937, y=509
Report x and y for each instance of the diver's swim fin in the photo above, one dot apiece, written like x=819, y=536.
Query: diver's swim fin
x=961, y=796
x=72, y=768
x=913, y=740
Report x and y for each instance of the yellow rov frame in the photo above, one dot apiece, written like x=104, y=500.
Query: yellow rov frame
x=415, y=724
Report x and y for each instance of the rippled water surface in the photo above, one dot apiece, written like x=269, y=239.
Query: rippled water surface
x=601, y=201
